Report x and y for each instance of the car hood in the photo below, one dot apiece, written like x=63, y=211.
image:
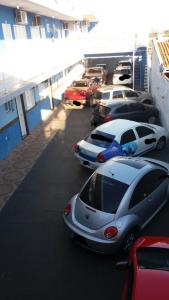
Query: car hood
x=89, y=217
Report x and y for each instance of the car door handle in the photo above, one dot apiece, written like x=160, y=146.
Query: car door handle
x=150, y=199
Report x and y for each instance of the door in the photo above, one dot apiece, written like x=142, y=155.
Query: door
x=21, y=115
x=146, y=139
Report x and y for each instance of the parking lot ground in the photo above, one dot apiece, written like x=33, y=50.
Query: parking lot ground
x=38, y=260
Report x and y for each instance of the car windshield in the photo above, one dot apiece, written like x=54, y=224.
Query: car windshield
x=79, y=84
x=153, y=258
x=94, y=71
x=100, y=139
x=103, y=193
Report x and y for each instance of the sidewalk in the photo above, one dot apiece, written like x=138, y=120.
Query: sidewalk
x=18, y=163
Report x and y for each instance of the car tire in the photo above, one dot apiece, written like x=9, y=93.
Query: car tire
x=161, y=144
x=129, y=240
x=152, y=120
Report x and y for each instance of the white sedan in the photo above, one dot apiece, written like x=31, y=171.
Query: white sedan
x=119, y=137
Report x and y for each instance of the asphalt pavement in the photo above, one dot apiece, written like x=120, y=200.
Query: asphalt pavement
x=38, y=261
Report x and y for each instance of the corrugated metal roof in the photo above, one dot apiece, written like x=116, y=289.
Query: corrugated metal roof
x=164, y=52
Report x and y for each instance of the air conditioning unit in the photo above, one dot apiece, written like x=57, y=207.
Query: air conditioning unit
x=66, y=26
x=21, y=17
x=36, y=21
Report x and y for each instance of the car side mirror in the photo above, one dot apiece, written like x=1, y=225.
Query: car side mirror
x=149, y=141
x=122, y=265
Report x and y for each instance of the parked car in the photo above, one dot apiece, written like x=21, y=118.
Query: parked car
x=80, y=91
x=119, y=137
x=112, y=92
x=117, y=201
x=147, y=270
x=123, y=75
x=124, y=109
x=96, y=73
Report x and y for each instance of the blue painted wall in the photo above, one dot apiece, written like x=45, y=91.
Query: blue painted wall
x=34, y=116
x=9, y=138
x=8, y=15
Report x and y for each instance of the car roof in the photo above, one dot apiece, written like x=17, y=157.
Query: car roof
x=117, y=126
x=108, y=88
x=124, y=169
x=118, y=102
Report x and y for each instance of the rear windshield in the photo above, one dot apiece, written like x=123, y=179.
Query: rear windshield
x=153, y=258
x=103, y=193
x=123, y=71
x=79, y=84
x=94, y=71
x=100, y=139
x=102, y=110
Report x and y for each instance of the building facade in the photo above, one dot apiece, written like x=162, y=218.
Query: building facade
x=159, y=78
x=41, y=52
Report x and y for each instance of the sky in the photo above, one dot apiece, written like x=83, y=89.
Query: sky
x=120, y=21
x=130, y=15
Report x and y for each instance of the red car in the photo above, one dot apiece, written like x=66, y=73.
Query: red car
x=80, y=91
x=147, y=271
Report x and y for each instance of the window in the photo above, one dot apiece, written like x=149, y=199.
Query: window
x=7, y=31
x=148, y=184
x=100, y=139
x=153, y=258
x=29, y=99
x=130, y=94
x=103, y=193
x=122, y=109
x=117, y=94
x=9, y=106
x=105, y=96
x=35, y=32
x=102, y=110
x=43, y=90
x=20, y=32
x=127, y=137
x=136, y=107
x=143, y=131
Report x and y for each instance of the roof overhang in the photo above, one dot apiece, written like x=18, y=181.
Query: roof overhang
x=58, y=9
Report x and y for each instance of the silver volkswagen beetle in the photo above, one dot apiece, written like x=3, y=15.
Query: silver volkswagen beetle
x=117, y=202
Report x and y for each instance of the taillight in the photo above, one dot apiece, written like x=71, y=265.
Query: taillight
x=110, y=232
x=100, y=158
x=76, y=148
x=108, y=118
x=67, y=209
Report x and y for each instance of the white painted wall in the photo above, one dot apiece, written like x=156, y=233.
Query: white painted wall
x=160, y=89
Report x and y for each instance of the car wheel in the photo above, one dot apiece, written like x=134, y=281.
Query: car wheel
x=161, y=143
x=129, y=240
x=152, y=119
